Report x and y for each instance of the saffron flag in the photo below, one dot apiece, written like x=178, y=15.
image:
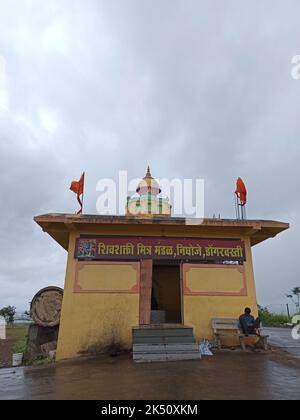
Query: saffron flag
x=78, y=188
x=241, y=191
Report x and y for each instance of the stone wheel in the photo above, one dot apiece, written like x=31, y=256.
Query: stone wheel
x=46, y=306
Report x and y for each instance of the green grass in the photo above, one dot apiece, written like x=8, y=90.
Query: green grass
x=19, y=334
x=273, y=320
x=42, y=361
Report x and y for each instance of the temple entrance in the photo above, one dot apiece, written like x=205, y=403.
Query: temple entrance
x=166, y=301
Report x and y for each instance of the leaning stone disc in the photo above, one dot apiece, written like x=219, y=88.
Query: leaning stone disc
x=46, y=306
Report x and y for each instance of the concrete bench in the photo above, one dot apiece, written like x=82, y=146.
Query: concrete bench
x=228, y=327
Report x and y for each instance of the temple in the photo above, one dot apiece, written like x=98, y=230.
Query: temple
x=148, y=276
x=148, y=202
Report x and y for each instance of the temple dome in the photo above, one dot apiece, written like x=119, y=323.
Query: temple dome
x=148, y=203
x=148, y=185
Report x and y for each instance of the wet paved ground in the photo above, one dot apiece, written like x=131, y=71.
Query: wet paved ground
x=228, y=375
x=282, y=337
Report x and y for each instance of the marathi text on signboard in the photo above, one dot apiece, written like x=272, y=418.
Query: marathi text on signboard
x=121, y=248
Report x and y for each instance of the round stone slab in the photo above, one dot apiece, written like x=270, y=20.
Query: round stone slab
x=46, y=306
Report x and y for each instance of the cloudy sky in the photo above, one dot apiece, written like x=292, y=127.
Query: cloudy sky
x=197, y=89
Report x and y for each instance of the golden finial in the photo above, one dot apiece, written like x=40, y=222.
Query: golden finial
x=148, y=174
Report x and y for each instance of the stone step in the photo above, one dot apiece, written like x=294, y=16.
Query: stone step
x=156, y=335
x=167, y=348
x=162, y=344
x=164, y=340
x=162, y=332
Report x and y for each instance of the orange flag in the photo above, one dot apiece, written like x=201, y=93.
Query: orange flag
x=78, y=188
x=241, y=191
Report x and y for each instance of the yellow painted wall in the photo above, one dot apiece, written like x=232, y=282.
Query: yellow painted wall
x=209, y=279
x=106, y=277
x=200, y=310
x=90, y=322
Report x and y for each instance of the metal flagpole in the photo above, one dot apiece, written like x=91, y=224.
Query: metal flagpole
x=236, y=207
x=83, y=192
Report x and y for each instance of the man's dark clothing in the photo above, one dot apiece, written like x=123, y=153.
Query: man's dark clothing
x=248, y=324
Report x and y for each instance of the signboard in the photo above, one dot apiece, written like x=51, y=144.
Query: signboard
x=134, y=248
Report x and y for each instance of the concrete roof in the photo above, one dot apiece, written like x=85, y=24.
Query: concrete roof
x=59, y=226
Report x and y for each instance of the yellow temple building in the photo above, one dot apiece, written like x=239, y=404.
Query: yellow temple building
x=127, y=275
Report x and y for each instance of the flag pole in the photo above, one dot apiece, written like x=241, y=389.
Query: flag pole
x=83, y=192
x=236, y=206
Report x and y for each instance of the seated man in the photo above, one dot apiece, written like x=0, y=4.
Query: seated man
x=248, y=324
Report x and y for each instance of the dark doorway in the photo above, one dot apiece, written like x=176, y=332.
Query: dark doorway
x=166, y=294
